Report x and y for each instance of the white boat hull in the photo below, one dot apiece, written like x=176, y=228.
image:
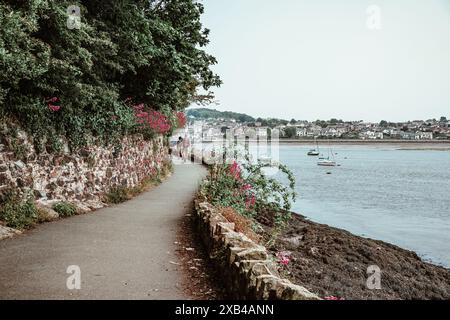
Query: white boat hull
x=326, y=163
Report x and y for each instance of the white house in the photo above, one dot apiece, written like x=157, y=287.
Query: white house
x=371, y=135
x=424, y=135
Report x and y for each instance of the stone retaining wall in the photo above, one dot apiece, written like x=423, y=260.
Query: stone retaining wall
x=81, y=177
x=248, y=272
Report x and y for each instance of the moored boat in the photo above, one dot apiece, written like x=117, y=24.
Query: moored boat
x=326, y=163
x=314, y=152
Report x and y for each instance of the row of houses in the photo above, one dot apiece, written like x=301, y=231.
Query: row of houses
x=415, y=130
x=359, y=130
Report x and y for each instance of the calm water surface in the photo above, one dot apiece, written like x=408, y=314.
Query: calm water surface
x=399, y=196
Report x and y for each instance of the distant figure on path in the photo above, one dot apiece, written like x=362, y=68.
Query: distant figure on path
x=186, y=147
x=180, y=147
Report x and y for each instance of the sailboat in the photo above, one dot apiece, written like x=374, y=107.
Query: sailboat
x=327, y=162
x=314, y=152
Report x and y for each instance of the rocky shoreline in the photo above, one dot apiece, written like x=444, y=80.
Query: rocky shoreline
x=331, y=262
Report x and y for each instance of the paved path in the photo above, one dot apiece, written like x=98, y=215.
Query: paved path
x=124, y=252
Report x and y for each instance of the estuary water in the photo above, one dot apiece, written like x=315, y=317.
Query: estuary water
x=379, y=192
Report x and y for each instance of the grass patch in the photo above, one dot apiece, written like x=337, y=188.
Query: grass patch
x=65, y=209
x=16, y=213
x=43, y=216
x=118, y=195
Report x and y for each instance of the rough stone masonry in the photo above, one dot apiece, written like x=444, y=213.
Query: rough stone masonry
x=246, y=267
x=80, y=177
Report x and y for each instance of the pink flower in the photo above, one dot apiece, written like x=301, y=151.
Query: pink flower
x=54, y=108
x=284, y=257
x=53, y=99
x=251, y=201
x=154, y=120
x=138, y=107
x=333, y=298
x=246, y=187
x=181, y=119
x=235, y=170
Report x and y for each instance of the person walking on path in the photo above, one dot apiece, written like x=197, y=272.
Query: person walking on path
x=186, y=147
x=180, y=147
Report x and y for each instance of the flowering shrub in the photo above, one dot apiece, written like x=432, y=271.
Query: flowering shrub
x=181, y=119
x=154, y=120
x=245, y=188
x=134, y=52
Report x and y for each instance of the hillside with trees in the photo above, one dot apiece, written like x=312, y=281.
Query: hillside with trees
x=205, y=113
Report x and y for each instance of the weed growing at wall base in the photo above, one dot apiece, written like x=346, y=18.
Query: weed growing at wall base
x=65, y=209
x=17, y=214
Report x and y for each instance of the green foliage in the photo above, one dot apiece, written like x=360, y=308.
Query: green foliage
x=19, y=149
x=65, y=209
x=272, y=122
x=151, y=51
x=16, y=213
x=289, y=132
x=117, y=195
x=247, y=189
x=205, y=113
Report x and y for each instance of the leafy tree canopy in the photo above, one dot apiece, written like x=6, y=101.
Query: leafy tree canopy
x=57, y=80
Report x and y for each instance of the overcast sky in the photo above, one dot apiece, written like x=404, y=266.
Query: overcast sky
x=317, y=59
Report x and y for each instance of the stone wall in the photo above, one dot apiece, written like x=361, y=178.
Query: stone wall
x=248, y=272
x=81, y=177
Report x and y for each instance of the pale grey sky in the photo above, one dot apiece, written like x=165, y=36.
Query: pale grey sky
x=317, y=59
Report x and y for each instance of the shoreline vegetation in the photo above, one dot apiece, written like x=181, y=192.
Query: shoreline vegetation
x=332, y=262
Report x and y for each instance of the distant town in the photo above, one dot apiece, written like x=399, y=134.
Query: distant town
x=215, y=123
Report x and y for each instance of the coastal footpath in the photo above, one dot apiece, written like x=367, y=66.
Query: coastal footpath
x=123, y=252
